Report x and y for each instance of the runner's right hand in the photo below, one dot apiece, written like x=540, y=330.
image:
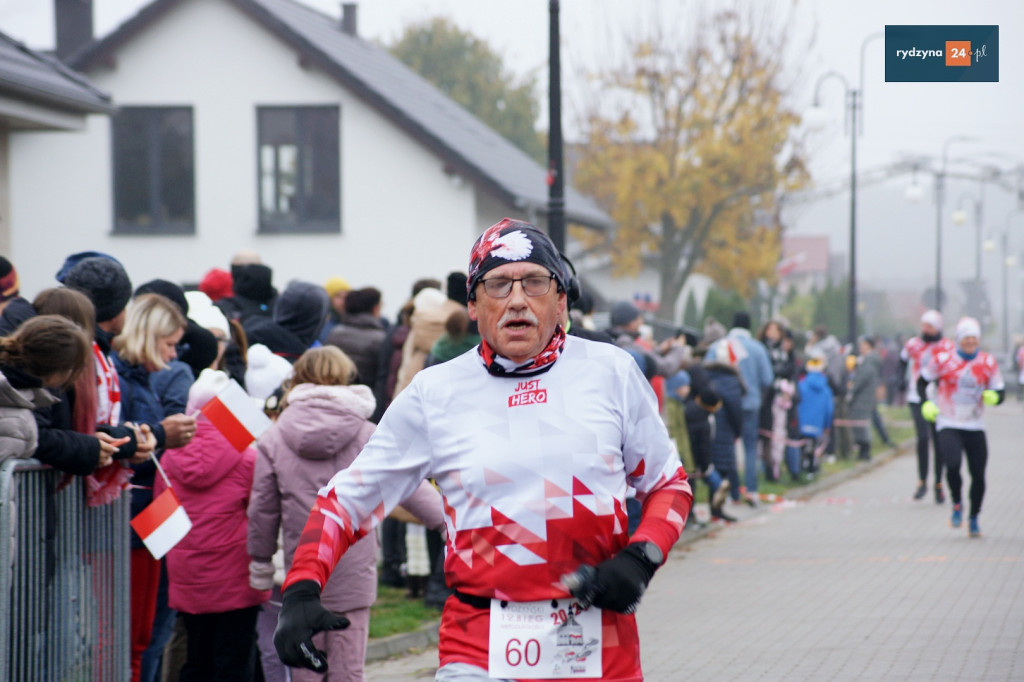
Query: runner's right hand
x=929, y=410
x=302, y=616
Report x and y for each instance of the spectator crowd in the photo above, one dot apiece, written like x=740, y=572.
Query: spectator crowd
x=104, y=379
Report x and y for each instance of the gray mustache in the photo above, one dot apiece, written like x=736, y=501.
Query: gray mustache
x=523, y=316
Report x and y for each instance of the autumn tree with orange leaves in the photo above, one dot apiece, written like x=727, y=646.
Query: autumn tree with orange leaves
x=690, y=147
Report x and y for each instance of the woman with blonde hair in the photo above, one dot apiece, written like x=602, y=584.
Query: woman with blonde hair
x=323, y=426
x=153, y=327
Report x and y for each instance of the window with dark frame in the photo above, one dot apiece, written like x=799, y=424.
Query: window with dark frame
x=154, y=171
x=299, y=169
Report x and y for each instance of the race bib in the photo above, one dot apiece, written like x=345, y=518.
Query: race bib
x=540, y=640
x=967, y=399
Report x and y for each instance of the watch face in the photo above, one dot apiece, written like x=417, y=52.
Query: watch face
x=653, y=553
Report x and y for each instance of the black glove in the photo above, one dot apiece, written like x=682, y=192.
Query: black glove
x=301, y=617
x=615, y=584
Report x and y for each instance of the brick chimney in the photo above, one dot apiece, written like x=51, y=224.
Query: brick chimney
x=348, y=18
x=73, y=19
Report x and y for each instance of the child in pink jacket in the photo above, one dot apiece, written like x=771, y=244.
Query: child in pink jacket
x=323, y=426
x=208, y=571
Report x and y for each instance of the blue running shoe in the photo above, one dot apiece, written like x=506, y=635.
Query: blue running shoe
x=957, y=518
x=972, y=526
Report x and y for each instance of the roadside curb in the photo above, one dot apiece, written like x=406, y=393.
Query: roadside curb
x=427, y=635
x=403, y=642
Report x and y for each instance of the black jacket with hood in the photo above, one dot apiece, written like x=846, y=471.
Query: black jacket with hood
x=254, y=295
x=299, y=315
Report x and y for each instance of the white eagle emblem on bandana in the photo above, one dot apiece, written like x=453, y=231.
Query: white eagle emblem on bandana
x=512, y=246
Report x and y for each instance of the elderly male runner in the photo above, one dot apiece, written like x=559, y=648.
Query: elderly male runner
x=533, y=438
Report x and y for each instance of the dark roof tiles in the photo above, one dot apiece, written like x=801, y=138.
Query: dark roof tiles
x=39, y=78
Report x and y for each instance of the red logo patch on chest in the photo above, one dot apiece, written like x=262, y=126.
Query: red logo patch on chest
x=528, y=393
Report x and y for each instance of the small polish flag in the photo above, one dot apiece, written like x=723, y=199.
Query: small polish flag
x=162, y=524
x=236, y=416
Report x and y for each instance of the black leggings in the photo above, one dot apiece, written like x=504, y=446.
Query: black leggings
x=952, y=444
x=221, y=646
x=925, y=432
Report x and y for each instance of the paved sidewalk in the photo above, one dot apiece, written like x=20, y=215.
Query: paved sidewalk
x=858, y=582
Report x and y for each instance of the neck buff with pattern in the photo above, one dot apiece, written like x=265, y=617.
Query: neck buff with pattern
x=500, y=366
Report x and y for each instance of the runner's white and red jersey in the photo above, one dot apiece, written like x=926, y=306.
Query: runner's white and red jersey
x=917, y=352
x=960, y=384
x=534, y=473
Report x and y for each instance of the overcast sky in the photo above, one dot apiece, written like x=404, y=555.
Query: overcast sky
x=900, y=119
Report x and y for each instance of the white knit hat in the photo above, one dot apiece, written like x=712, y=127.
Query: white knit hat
x=266, y=371
x=934, y=318
x=429, y=299
x=967, y=326
x=203, y=312
x=209, y=383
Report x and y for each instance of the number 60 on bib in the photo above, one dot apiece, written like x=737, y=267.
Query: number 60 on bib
x=544, y=640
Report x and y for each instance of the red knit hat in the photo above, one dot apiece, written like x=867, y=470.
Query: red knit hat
x=8, y=280
x=217, y=284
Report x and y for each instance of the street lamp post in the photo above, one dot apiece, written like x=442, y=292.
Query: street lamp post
x=854, y=102
x=556, y=176
x=940, y=179
x=1007, y=260
x=960, y=218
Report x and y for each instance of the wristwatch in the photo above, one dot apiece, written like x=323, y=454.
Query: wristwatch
x=651, y=552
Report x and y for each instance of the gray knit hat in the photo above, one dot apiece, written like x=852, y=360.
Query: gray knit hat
x=105, y=282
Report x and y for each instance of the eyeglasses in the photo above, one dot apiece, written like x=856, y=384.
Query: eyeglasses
x=501, y=287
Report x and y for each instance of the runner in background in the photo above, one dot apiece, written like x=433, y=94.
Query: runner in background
x=966, y=380
x=915, y=354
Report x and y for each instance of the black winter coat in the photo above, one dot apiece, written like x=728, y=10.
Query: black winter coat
x=726, y=380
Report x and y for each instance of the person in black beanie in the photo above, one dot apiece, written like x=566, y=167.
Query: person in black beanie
x=456, y=287
x=104, y=281
x=254, y=294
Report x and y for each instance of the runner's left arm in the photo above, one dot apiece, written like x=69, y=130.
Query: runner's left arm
x=653, y=467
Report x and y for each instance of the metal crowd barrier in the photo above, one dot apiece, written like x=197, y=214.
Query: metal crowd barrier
x=64, y=572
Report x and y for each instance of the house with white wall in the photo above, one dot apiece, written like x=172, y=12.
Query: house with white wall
x=38, y=94
x=266, y=125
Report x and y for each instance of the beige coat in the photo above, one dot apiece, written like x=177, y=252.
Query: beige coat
x=425, y=327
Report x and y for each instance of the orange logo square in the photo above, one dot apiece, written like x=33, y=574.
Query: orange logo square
x=958, y=53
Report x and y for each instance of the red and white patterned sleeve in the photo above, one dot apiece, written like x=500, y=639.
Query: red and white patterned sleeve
x=391, y=466
x=653, y=465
